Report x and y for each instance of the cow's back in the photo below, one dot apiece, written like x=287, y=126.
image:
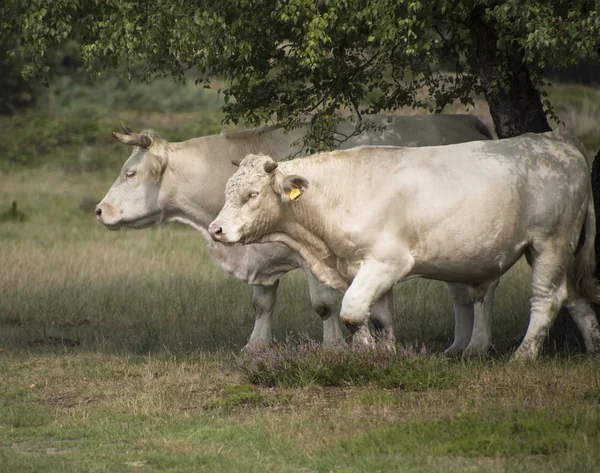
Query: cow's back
x=418, y=130
x=398, y=130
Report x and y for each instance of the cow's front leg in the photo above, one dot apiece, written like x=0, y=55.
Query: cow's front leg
x=325, y=302
x=381, y=317
x=481, y=338
x=263, y=300
x=373, y=279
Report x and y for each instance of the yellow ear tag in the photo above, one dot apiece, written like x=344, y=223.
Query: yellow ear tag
x=295, y=193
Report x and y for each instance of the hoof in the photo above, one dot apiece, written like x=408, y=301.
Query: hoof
x=255, y=345
x=385, y=341
x=363, y=338
x=333, y=344
x=594, y=349
x=454, y=351
x=387, y=346
x=523, y=355
x=474, y=352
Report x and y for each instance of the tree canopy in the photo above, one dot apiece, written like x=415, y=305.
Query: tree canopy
x=293, y=59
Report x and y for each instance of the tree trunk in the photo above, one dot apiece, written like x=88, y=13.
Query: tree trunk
x=515, y=105
x=516, y=108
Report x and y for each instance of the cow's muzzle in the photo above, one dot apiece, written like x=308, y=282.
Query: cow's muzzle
x=217, y=233
x=103, y=214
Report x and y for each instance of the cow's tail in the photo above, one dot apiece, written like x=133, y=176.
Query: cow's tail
x=584, y=265
x=484, y=130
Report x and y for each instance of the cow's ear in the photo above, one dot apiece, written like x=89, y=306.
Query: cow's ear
x=293, y=187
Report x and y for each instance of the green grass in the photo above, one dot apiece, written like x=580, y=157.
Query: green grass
x=484, y=438
x=97, y=412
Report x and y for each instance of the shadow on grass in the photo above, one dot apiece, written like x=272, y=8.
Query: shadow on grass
x=177, y=314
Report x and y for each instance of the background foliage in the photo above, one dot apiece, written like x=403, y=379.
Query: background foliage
x=284, y=60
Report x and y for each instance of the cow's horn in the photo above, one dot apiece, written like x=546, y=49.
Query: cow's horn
x=142, y=141
x=270, y=166
x=126, y=129
x=236, y=162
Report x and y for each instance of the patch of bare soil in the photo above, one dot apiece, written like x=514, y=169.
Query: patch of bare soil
x=67, y=399
x=35, y=448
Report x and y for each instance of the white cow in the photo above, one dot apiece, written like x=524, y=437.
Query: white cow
x=185, y=182
x=367, y=218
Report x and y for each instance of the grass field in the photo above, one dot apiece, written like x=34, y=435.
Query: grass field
x=120, y=352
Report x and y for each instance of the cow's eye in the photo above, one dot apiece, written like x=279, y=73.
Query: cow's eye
x=129, y=174
x=251, y=196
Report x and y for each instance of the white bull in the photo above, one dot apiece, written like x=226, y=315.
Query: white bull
x=185, y=182
x=367, y=218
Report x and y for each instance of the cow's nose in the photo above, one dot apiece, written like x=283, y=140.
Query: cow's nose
x=98, y=211
x=216, y=231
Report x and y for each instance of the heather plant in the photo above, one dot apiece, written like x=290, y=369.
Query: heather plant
x=300, y=361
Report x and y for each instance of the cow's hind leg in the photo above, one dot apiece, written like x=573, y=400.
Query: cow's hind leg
x=381, y=317
x=548, y=293
x=325, y=302
x=584, y=316
x=373, y=279
x=462, y=302
x=263, y=300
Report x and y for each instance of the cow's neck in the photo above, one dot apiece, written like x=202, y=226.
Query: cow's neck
x=194, y=188
x=321, y=263
x=304, y=232
x=194, y=193
x=198, y=170
x=317, y=226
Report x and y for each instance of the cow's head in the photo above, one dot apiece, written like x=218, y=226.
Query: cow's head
x=255, y=199
x=134, y=198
